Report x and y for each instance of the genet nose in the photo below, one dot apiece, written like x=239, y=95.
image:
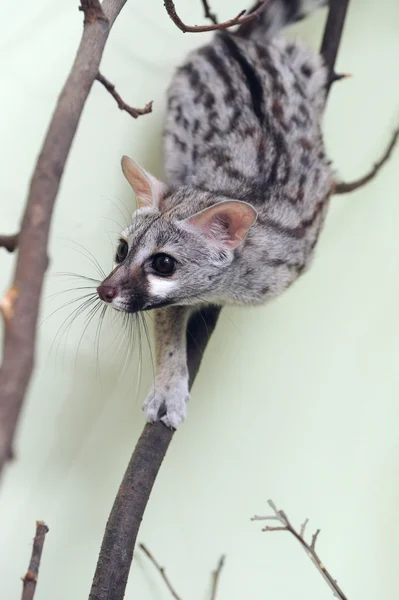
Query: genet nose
x=106, y=292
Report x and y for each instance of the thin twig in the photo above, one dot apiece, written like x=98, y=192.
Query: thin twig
x=134, y=112
x=20, y=304
x=342, y=187
x=9, y=242
x=207, y=12
x=281, y=517
x=216, y=577
x=332, y=36
x=240, y=19
x=127, y=512
x=161, y=571
x=30, y=579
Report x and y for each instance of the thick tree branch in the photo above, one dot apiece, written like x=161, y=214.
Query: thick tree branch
x=134, y=112
x=161, y=571
x=285, y=525
x=9, y=242
x=30, y=579
x=21, y=303
x=342, y=187
x=240, y=19
x=127, y=512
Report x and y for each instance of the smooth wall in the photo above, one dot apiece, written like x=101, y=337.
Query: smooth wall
x=296, y=401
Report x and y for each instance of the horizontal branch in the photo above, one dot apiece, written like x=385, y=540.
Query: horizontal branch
x=30, y=579
x=134, y=112
x=240, y=19
x=9, y=242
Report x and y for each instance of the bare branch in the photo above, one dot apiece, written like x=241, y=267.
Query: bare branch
x=216, y=577
x=9, y=242
x=30, y=579
x=161, y=571
x=303, y=527
x=207, y=12
x=344, y=188
x=21, y=303
x=240, y=19
x=280, y=516
x=332, y=36
x=134, y=112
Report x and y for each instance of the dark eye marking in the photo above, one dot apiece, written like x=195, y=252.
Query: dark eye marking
x=121, y=251
x=163, y=264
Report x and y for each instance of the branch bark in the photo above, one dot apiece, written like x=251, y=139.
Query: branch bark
x=240, y=19
x=20, y=305
x=9, y=242
x=310, y=549
x=121, y=531
x=30, y=579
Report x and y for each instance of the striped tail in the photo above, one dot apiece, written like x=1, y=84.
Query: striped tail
x=277, y=15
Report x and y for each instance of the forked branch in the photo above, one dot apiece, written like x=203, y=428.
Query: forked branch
x=161, y=571
x=30, y=579
x=241, y=19
x=208, y=13
x=285, y=525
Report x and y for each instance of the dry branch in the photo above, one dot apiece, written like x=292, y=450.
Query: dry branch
x=9, y=242
x=161, y=571
x=240, y=19
x=30, y=579
x=342, y=187
x=216, y=577
x=208, y=13
x=310, y=549
x=134, y=112
x=20, y=304
x=127, y=512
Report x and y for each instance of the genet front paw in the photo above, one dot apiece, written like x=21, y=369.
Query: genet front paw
x=167, y=405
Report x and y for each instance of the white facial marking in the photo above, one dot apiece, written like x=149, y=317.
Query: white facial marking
x=160, y=286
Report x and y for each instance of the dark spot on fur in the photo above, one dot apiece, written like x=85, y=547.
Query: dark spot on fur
x=170, y=354
x=265, y=290
x=305, y=143
x=306, y=70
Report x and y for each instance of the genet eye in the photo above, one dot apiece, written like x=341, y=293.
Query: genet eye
x=121, y=251
x=163, y=264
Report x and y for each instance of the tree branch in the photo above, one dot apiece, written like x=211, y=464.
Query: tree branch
x=240, y=19
x=342, y=187
x=127, y=512
x=281, y=517
x=20, y=305
x=216, y=577
x=332, y=36
x=207, y=12
x=134, y=112
x=30, y=579
x=9, y=242
x=161, y=571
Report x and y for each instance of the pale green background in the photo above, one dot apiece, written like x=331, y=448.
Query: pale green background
x=297, y=401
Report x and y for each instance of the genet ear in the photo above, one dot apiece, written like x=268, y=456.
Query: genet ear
x=226, y=223
x=148, y=189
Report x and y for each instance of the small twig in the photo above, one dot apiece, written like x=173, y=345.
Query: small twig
x=216, y=577
x=30, y=579
x=9, y=242
x=208, y=14
x=281, y=517
x=134, y=112
x=344, y=188
x=303, y=527
x=93, y=12
x=332, y=36
x=240, y=19
x=161, y=571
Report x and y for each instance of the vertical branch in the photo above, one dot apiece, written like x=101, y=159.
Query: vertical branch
x=20, y=305
x=332, y=35
x=30, y=579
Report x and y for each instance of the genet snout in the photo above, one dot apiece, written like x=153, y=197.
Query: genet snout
x=107, y=293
